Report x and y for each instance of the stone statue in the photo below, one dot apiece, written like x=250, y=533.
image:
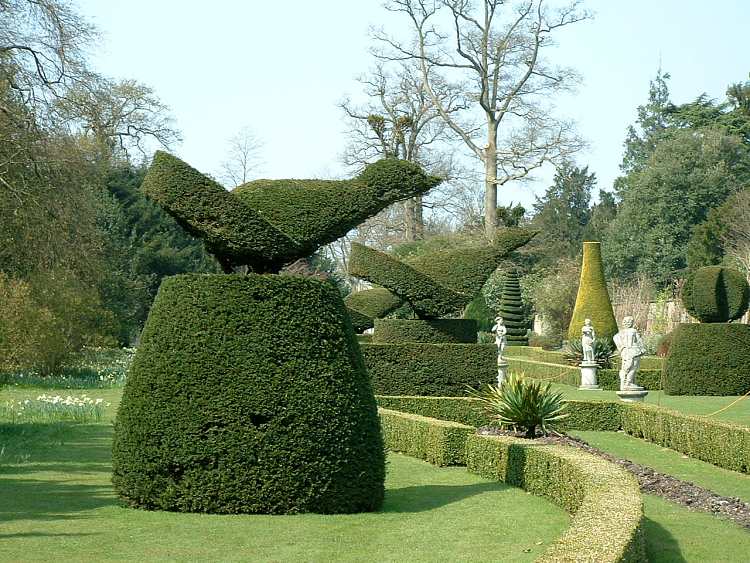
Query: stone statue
x=501, y=340
x=631, y=348
x=588, y=337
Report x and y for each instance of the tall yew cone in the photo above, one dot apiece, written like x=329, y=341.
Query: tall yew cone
x=592, y=301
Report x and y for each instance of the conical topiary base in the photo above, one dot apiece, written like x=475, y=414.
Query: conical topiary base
x=592, y=301
x=248, y=395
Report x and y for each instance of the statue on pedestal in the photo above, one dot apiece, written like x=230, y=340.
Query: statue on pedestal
x=631, y=348
x=501, y=340
x=588, y=337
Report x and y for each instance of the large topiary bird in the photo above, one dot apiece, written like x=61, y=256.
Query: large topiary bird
x=248, y=393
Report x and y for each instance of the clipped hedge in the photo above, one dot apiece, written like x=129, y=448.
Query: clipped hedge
x=436, y=331
x=427, y=297
x=232, y=231
x=438, y=442
x=715, y=294
x=720, y=443
x=317, y=212
x=466, y=270
x=230, y=408
x=592, y=300
x=376, y=303
x=708, y=359
x=429, y=369
x=608, y=379
x=360, y=322
x=582, y=415
x=653, y=363
x=605, y=500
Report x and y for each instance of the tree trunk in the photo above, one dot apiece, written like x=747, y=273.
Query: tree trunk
x=413, y=219
x=490, y=185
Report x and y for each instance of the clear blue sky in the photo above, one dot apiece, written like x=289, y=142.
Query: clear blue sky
x=281, y=68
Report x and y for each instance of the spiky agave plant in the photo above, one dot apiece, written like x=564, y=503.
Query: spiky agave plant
x=523, y=402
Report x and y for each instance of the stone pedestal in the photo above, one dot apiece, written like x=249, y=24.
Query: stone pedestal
x=588, y=376
x=634, y=394
x=502, y=371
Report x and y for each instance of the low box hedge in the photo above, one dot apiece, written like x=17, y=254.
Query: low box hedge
x=605, y=500
x=432, y=331
x=608, y=379
x=582, y=415
x=439, y=442
x=720, y=443
x=442, y=370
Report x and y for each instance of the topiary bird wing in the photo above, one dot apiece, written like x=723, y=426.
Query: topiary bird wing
x=317, y=212
x=428, y=298
x=466, y=270
x=231, y=231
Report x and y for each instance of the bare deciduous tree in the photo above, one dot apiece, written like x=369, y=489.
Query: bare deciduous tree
x=491, y=54
x=42, y=46
x=243, y=158
x=400, y=121
x=122, y=115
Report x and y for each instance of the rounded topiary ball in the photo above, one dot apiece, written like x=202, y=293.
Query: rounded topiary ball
x=248, y=395
x=708, y=359
x=715, y=294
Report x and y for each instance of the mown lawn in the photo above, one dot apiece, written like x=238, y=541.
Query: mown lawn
x=702, y=405
x=664, y=460
x=58, y=504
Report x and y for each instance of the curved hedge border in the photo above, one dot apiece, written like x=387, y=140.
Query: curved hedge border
x=582, y=415
x=433, y=331
x=605, y=500
x=439, y=442
x=720, y=443
x=429, y=369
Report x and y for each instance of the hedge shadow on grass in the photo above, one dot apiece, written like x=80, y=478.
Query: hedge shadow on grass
x=667, y=549
x=423, y=498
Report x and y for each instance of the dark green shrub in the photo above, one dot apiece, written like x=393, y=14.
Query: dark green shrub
x=708, y=359
x=269, y=223
x=316, y=212
x=428, y=298
x=429, y=369
x=370, y=304
x=715, y=294
x=248, y=395
x=511, y=310
x=607, y=521
x=478, y=310
x=435, y=331
x=522, y=402
x=435, y=441
x=603, y=416
x=466, y=270
x=233, y=232
x=720, y=443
